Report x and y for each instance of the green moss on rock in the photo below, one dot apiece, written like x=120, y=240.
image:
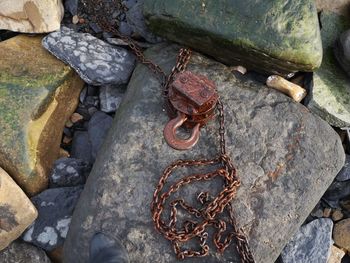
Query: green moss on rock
x=271, y=36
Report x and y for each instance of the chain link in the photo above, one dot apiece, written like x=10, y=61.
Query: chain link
x=212, y=207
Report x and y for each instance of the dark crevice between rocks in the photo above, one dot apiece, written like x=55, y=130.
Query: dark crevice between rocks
x=5, y=34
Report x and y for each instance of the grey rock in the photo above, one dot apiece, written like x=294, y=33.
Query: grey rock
x=21, y=252
x=311, y=244
x=136, y=21
x=81, y=147
x=91, y=101
x=99, y=125
x=71, y=6
x=336, y=192
x=344, y=174
x=83, y=95
x=97, y=63
x=110, y=98
x=125, y=29
x=69, y=172
x=342, y=51
x=55, y=207
x=283, y=166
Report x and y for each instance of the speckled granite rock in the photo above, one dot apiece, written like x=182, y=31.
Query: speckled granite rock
x=55, y=207
x=31, y=16
x=38, y=93
x=16, y=211
x=311, y=244
x=97, y=62
x=273, y=36
x=284, y=167
x=330, y=97
x=20, y=252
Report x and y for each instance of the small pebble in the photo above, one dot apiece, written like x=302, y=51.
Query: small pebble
x=75, y=19
x=337, y=215
x=69, y=124
x=341, y=234
x=76, y=117
x=336, y=255
x=327, y=212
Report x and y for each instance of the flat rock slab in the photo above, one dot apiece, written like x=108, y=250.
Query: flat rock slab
x=31, y=16
x=97, y=62
x=16, y=211
x=330, y=97
x=38, y=93
x=269, y=36
x=286, y=158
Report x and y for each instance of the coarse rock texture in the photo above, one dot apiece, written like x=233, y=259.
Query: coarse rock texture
x=31, y=16
x=16, y=211
x=55, y=207
x=283, y=166
x=312, y=243
x=21, y=252
x=110, y=98
x=341, y=234
x=97, y=62
x=337, y=6
x=344, y=174
x=336, y=255
x=38, y=93
x=271, y=36
x=330, y=97
x=69, y=172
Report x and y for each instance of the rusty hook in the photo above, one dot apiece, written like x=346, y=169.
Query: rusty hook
x=171, y=137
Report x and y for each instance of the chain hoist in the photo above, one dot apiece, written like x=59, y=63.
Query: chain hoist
x=191, y=100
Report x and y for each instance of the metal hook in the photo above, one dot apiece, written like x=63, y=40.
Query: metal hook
x=171, y=137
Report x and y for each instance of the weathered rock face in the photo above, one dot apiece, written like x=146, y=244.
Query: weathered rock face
x=97, y=62
x=31, y=16
x=330, y=97
x=19, y=252
x=269, y=36
x=38, y=93
x=312, y=243
x=338, y=6
x=16, y=211
x=284, y=167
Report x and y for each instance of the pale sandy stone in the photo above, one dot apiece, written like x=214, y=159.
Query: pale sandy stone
x=31, y=16
x=16, y=210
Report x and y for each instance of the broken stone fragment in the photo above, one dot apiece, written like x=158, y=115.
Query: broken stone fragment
x=16, y=211
x=31, y=16
x=38, y=94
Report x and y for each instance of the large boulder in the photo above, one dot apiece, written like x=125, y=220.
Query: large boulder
x=286, y=158
x=330, y=97
x=31, y=16
x=16, y=210
x=38, y=94
x=272, y=36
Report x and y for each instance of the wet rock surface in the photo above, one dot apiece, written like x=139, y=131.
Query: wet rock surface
x=270, y=138
x=16, y=211
x=19, y=252
x=330, y=97
x=38, y=93
x=312, y=243
x=96, y=62
x=55, y=207
x=269, y=36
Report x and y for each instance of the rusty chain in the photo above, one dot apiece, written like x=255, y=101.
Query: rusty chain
x=212, y=207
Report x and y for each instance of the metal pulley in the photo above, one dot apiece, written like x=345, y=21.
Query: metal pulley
x=192, y=99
